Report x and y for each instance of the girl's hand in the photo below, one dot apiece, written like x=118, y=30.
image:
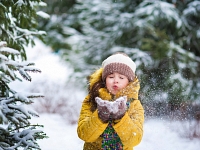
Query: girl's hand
x=103, y=111
x=108, y=109
x=119, y=108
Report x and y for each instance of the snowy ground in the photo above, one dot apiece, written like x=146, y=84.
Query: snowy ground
x=158, y=134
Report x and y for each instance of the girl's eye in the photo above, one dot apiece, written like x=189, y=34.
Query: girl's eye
x=121, y=77
x=111, y=76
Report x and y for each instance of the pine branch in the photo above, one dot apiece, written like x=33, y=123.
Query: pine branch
x=14, y=112
x=26, y=126
x=24, y=74
x=4, y=58
x=32, y=69
x=7, y=51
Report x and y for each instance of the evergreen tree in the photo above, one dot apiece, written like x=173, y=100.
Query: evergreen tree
x=56, y=29
x=17, y=30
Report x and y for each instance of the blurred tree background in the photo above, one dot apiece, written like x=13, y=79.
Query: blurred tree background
x=162, y=37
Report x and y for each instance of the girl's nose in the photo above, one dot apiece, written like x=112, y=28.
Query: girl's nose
x=115, y=80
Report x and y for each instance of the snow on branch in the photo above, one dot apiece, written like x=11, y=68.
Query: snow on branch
x=28, y=33
x=43, y=14
x=13, y=110
x=25, y=97
x=8, y=66
x=24, y=74
x=3, y=44
x=2, y=57
x=27, y=137
x=158, y=9
x=7, y=50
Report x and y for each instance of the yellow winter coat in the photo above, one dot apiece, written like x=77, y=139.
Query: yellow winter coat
x=129, y=128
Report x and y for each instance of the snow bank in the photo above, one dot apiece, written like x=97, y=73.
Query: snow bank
x=158, y=135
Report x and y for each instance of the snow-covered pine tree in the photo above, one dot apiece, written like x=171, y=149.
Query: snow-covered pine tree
x=16, y=130
x=17, y=30
x=55, y=26
x=153, y=33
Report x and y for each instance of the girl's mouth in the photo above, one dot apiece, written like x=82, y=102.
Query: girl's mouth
x=115, y=87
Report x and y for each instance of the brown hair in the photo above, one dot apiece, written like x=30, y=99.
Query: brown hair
x=94, y=92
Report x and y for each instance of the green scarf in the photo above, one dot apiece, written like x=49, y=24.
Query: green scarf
x=110, y=139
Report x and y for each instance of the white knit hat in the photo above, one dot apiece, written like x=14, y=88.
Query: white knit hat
x=120, y=63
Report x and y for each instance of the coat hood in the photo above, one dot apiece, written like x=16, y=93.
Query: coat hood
x=95, y=77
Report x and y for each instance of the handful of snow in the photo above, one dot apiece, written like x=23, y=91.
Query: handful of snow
x=113, y=106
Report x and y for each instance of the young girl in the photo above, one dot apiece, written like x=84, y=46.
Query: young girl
x=111, y=116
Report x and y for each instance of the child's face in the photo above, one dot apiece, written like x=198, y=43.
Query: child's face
x=115, y=82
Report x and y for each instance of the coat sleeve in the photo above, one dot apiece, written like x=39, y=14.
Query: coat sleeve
x=130, y=127
x=90, y=127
